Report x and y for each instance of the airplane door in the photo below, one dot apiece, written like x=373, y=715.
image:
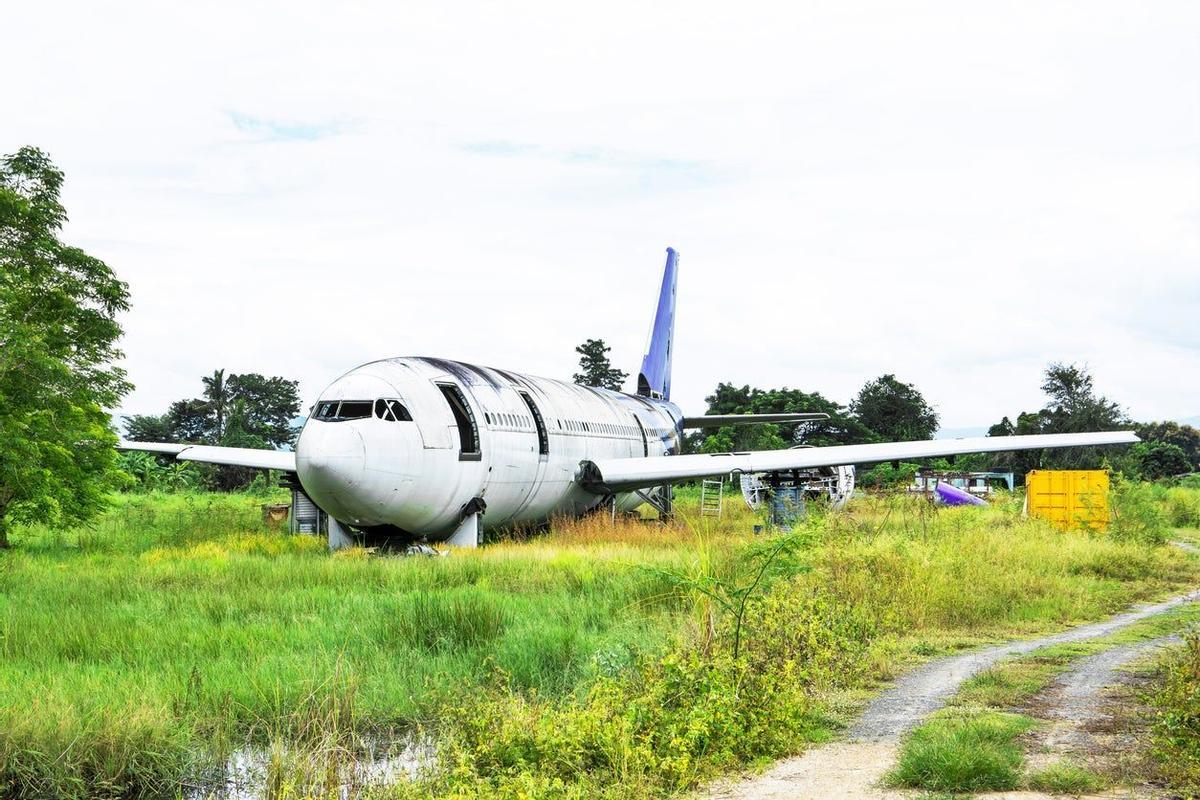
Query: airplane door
x=645, y=441
x=541, y=451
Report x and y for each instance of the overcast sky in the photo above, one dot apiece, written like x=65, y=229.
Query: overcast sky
x=954, y=192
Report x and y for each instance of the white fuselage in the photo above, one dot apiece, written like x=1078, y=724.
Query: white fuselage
x=411, y=469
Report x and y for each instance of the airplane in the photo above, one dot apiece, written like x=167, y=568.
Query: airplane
x=422, y=450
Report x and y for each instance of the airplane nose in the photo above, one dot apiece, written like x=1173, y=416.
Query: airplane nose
x=330, y=462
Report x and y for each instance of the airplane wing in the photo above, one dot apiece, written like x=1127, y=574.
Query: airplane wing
x=229, y=456
x=620, y=474
x=720, y=420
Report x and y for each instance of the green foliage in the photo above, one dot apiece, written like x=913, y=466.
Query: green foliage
x=148, y=428
x=596, y=370
x=1185, y=437
x=1006, y=685
x=148, y=474
x=1065, y=777
x=1157, y=460
x=247, y=410
x=246, y=407
x=841, y=427
x=450, y=620
x=888, y=475
x=1176, y=723
x=1073, y=407
x=174, y=630
x=1181, y=505
x=1137, y=514
x=963, y=753
x=894, y=410
x=58, y=334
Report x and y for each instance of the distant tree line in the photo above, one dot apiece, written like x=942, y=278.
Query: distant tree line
x=235, y=410
x=887, y=409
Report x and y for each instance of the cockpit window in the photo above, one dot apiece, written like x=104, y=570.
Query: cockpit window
x=392, y=410
x=337, y=411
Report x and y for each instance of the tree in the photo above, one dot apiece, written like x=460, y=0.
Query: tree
x=216, y=393
x=1073, y=407
x=840, y=428
x=190, y=422
x=597, y=371
x=1157, y=460
x=894, y=410
x=58, y=334
x=148, y=428
x=237, y=434
x=268, y=406
x=248, y=410
x=1185, y=437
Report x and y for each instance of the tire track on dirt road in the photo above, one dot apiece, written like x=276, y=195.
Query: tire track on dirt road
x=853, y=768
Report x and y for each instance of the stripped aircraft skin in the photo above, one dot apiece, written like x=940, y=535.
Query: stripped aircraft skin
x=427, y=449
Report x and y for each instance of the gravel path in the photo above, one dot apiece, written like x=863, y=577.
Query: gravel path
x=926, y=689
x=854, y=768
x=1078, y=702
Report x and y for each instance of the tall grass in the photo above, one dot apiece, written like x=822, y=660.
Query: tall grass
x=141, y=652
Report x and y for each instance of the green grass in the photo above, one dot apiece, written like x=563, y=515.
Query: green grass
x=1064, y=777
x=586, y=662
x=963, y=753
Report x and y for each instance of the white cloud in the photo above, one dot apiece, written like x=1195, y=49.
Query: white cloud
x=951, y=192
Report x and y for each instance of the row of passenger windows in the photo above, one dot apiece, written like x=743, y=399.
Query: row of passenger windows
x=394, y=411
x=514, y=420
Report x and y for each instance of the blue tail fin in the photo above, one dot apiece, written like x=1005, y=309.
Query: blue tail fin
x=655, y=378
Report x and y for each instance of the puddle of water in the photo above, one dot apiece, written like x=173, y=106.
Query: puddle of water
x=249, y=770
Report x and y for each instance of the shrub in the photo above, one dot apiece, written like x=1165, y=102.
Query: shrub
x=1182, y=507
x=1176, y=700
x=1137, y=515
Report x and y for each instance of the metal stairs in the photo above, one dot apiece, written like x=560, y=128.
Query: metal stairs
x=712, y=493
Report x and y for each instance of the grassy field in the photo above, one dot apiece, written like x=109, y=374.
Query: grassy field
x=597, y=660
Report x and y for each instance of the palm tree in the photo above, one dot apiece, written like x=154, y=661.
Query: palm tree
x=217, y=395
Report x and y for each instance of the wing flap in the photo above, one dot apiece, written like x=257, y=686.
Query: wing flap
x=228, y=456
x=615, y=474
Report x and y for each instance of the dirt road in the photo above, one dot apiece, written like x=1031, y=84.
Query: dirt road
x=853, y=768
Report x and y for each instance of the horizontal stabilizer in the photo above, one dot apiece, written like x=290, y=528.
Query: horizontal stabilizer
x=229, y=456
x=721, y=420
x=618, y=474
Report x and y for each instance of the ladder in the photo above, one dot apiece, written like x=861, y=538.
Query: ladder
x=711, y=496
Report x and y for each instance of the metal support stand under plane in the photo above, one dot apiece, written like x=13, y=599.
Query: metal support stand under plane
x=339, y=535
x=467, y=532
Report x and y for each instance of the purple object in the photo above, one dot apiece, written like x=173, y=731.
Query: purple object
x=953, y=496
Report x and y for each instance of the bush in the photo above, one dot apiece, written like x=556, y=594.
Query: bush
x=1137, y=515
x=1176, y=700
x=1182, y=507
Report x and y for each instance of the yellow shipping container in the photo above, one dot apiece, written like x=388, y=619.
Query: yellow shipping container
x=1070, y=499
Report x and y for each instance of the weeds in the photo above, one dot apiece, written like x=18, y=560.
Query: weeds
x=1065, y=777
x=1175, y=698
x=137, y=654
x=972, y=753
